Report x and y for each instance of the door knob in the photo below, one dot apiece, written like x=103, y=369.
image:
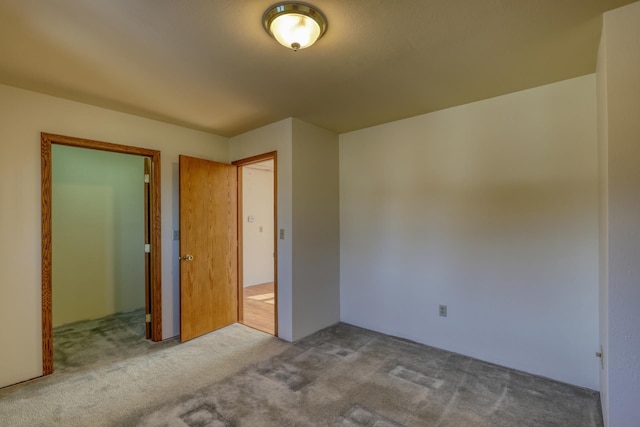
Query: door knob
x=186, y=258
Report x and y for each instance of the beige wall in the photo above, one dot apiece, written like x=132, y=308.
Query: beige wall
x=23, y=115
x=603, y=197
x=98, y=233
x=619, y=76
x=257, y=235
x=308, y=260
x=276, y=137
x=490, y=208
x=316, y=229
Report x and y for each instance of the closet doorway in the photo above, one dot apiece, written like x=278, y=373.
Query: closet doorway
x=257, y=249
x=97, y=263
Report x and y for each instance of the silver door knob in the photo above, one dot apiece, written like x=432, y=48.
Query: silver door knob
x=187, y=258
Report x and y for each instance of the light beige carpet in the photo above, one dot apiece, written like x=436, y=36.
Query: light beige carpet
x=105, y=391
x=340, y=376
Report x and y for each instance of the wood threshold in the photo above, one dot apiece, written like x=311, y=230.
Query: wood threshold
x=47, y=140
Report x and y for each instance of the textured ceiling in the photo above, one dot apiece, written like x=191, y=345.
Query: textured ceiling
x=208, y=64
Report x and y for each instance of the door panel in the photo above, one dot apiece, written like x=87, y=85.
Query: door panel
x=208, y=233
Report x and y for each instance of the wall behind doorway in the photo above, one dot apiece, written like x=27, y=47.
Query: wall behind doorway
x=257, y=235
x=98, y=233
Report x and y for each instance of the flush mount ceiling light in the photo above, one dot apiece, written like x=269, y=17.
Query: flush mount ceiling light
x=294, y=25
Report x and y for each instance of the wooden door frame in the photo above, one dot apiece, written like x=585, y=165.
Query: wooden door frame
x=147, y=241
x=273, y=155
x=47, y=140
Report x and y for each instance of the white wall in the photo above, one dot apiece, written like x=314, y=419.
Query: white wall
x=603, y=196
x=23, y=115
x=620, y=138
x=276, y=137
x=316, y=236
x=98, y=233
x=257, y=235
x=490, y=208
x=308, y=262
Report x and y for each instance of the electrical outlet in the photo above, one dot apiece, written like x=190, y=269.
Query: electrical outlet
x=282, y=234
x=443, y=310
x=176, y=235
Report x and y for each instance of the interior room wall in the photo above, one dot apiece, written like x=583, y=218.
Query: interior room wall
x=308, y=260
x=257, y=235
x=620, y=136
x=98, y=233
x=316, y=229
x=603, y=198
x=276, y=137
x=490, y=208
x=23, y=115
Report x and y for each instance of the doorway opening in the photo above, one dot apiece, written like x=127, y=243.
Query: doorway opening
x=257, y=238
x=149, y=249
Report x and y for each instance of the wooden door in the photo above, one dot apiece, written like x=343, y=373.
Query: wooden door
x=208, y=246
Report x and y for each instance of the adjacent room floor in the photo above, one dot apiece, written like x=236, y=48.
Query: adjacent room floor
x=259, y=307
x=102, y=341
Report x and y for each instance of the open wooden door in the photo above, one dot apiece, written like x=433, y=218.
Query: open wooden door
x=208, y=246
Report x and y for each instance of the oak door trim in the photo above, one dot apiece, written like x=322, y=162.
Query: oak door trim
x=245, y=162
x=47, y=140
x=147, y=241
x=240, y=237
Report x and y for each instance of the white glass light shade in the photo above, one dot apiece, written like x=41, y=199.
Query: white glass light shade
x=294, y=25
x=295, y=31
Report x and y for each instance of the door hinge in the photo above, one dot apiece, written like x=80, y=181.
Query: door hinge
x=147, y=178
x=147, y=248
x=147, y=318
